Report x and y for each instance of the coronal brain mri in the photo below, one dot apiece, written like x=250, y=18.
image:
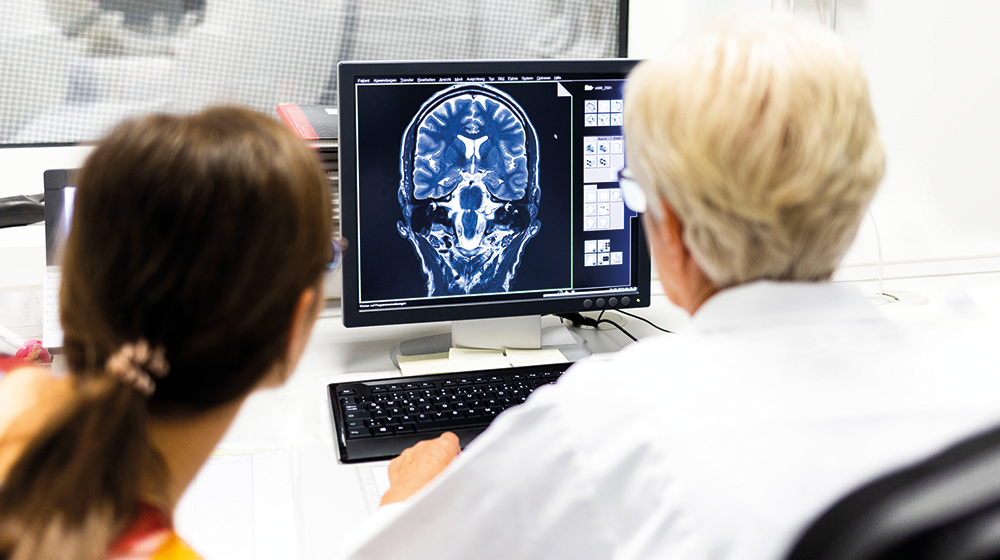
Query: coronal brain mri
x=469, y=190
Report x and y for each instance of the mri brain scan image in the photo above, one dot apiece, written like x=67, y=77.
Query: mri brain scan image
x=468, y=189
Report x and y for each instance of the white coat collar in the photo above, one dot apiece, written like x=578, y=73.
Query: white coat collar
x=769, y=302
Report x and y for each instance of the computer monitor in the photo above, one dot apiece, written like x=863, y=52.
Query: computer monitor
x=59, y=196
x=485, y=189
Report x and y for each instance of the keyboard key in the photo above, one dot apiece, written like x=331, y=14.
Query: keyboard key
x=355, y=433
x=358, y=415
x=383, y=431
x=406, y=429
x=346, y=392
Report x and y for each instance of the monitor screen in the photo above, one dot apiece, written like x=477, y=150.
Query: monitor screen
x=485, y=189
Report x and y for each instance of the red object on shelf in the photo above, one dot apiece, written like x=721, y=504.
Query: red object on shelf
x=33, y=352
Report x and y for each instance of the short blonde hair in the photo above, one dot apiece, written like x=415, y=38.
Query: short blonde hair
x=759, y=133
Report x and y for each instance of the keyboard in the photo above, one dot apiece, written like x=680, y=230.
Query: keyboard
x=379, y=418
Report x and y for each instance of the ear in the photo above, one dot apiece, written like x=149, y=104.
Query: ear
x=667, y=232
x=683, y=281
x=306, y=311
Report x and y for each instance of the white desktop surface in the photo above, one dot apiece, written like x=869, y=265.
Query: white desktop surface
x=275, y=488
x=278, y=491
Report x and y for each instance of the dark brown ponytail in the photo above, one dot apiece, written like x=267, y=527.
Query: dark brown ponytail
x=197, y=234
x=71, y=493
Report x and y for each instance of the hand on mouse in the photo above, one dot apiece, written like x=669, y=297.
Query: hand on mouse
x=418, y=465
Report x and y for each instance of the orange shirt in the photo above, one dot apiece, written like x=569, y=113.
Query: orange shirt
x=151, y=537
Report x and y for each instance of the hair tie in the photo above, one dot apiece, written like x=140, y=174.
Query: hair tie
x=135, y=364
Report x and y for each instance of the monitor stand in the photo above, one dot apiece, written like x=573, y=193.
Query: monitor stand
x=497, y=334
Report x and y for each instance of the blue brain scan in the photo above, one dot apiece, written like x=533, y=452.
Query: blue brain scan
x=468, y=189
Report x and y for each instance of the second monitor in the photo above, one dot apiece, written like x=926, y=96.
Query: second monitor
x=487, y=189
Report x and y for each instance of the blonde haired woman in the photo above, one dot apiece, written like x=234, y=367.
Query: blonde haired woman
x=754, y=153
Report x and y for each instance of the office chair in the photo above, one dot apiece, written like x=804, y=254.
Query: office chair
x=943, y=508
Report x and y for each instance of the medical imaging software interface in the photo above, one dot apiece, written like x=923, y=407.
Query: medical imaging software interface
x=490, y=188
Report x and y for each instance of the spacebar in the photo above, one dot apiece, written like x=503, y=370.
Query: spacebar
x=453, y=423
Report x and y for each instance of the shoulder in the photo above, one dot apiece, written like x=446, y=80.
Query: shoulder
x=28, y=397
x=26, y=388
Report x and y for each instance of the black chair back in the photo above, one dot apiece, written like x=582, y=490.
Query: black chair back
x=944, y=508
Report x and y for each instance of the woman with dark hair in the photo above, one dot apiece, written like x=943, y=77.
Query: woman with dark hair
x=192, y=276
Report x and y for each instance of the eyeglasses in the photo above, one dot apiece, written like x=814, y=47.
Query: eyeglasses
x=635, y=197
x=337, y=255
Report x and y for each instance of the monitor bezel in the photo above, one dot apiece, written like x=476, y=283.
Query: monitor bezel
x=55, y=181
x=351, y=313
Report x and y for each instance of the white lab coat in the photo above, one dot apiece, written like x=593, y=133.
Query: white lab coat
x=722, y=442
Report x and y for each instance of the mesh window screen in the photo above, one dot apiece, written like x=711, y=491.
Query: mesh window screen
x=70, y=69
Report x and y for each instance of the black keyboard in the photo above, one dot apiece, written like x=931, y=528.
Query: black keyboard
x=379, y=418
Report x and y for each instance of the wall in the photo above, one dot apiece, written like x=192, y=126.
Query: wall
x=934, y=85
x=21, y=169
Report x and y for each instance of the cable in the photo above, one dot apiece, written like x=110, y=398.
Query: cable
x=578, y=319
x=601, y=320
x=619, y=327
x=647, y=321
x=878, y=242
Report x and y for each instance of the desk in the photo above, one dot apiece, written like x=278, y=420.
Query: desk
x=292, y=499
x=276, y=485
